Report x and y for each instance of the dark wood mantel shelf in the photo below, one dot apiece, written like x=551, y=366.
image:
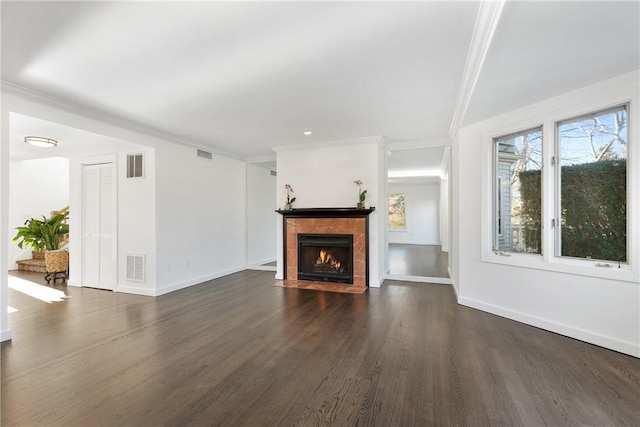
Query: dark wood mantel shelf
x=326, y=212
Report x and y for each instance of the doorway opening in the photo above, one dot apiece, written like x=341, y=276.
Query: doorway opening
x=418, y=231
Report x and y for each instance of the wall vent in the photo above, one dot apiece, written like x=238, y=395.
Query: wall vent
x=274, y=173
x=135, y=267
x=135, y=163
x=205, y=154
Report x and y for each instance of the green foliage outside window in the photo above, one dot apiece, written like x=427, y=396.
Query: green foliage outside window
x=397, y=220
x=594, y=209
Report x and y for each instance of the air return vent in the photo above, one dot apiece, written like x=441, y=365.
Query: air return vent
x=135, y=164
x=205, y=154
x=135, y=267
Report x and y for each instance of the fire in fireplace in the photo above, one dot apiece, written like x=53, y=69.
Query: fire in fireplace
x=325, y=258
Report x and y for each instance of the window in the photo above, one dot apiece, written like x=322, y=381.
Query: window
x=560, y=195
x=517, y=197
x=397, y=219
x=591, y=213
x=134, y=166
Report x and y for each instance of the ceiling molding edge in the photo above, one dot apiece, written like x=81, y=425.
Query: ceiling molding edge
x=261, y=159
x=110, y=119
x=408, y=145
x=487, y=20
x=364, y=140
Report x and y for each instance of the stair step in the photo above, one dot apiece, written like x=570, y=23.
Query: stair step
x=33, y=265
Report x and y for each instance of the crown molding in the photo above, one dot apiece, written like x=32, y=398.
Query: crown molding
x=425, y=143
x=107, y=118
x=261, y=159
x=342, y=142
x=487, y=20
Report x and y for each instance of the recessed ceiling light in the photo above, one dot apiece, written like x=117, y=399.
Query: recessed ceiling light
x=307, y=132
x=38, y=141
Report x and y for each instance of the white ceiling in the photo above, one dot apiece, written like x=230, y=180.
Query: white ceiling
x=245, y=76
x=416, y=166
x=71, y=141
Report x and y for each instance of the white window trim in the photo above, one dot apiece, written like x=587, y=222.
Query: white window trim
x=548, y=260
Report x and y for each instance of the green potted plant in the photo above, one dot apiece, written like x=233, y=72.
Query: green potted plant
x=30, y=236
x=46, y=234
x=53, y=231
x=56, y=260
x=362, y=195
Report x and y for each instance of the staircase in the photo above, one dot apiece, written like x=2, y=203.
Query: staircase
x=37, y=264
x=33, y=265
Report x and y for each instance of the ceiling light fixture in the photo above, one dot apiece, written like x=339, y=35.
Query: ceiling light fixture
x=307, y=132
x=38, y=141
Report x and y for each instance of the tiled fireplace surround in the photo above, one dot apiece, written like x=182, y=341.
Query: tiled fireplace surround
x=327, y=221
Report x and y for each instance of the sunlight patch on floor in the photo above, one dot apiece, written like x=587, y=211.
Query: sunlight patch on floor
x=11, y=309
x=43, y=293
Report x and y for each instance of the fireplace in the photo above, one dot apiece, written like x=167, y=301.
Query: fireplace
x=343, y=234
x=325, y=258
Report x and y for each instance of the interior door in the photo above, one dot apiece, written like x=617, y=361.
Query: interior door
x=98, y=260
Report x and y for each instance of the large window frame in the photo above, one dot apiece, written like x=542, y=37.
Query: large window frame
x=557, y=163
x=514, y=163
x=550, y=260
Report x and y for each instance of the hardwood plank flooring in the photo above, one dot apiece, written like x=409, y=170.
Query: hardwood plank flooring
x=418, y=260
x=239, y=351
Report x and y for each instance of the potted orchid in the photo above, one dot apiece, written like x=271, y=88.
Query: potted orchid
x=361, y=194
x=290, y=199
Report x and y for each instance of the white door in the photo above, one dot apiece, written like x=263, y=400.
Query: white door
x=98, y=219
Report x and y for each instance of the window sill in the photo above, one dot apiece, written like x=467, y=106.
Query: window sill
x=565, y=266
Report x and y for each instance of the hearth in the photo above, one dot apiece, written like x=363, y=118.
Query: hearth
x=325, y=257
x=302, y=271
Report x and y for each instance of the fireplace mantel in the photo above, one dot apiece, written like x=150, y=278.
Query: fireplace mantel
x=327, y=221
x=326, y=212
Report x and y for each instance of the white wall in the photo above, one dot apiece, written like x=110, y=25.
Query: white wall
x=135, y=211
x=422, y=214
x=261, y=215
x=322, y=176
x=37, y=187
x=444, y=215
x=5, y=332
x=591, y=305
x=190, y=220
x=201, y=217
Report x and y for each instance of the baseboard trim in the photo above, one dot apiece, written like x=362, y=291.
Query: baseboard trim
x=74, y=283
x=422, y=279
x=626, y=347
x=261, y=267
x=261, y=262
x=416, y=243
x=125, y=289
x=197, y=281
x=5, y=335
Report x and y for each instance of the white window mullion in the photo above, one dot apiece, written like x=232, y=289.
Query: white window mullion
x=548, y=193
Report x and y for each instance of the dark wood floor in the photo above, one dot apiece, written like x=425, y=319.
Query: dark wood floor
x=418, y=260
x=239, y=351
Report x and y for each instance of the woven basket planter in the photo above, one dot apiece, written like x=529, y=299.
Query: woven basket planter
x=37, y=254
x=56, y=261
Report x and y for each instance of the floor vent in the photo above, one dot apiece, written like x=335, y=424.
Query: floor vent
x=135, y=267
x=205, y=154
